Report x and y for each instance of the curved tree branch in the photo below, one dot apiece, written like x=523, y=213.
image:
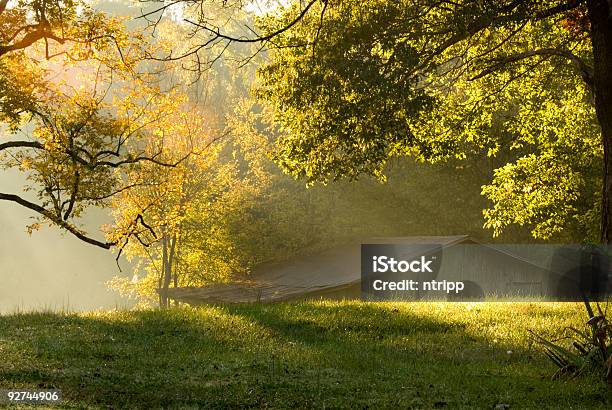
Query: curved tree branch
x=586, y=72
x=43, y=32
x=21, y=144
x=560, y=8
x=58, y=221
x=258, y=39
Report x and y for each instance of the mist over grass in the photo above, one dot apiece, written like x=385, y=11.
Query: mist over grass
x=50, y=269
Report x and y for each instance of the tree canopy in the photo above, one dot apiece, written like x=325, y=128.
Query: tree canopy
x=356, y=84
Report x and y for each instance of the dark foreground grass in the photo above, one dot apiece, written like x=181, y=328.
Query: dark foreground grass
x=317, y=354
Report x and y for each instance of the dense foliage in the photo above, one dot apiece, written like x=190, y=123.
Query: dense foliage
x=357, y=84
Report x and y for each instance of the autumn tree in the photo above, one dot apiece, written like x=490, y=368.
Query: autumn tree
x=78, y=111
x=191, y=211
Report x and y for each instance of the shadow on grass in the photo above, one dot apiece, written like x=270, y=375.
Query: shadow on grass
x=284, y=355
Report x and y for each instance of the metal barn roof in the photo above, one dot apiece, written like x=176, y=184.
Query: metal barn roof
x=301, y=277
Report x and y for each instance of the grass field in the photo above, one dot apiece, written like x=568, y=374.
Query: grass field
x=315, y=354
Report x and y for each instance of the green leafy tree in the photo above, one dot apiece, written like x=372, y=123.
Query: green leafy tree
x=356, y=84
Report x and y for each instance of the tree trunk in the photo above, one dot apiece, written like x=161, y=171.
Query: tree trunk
x=169, y=266
x=601, y=38
x=176, y=259
x=167, y=263
x=163, y=289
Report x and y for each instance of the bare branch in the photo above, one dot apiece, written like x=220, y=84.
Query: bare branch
x=132, y=232
x=217, y=34
x=316, y=39
x=117, y=191
x=21, y=144
x=560, y=8
x=58, y=221
x=73, y=195
x=152, y=159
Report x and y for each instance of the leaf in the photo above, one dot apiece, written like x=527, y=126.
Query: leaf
x=563, y=353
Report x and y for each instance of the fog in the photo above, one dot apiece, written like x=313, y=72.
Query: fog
x=49, y=269
x=52, y=270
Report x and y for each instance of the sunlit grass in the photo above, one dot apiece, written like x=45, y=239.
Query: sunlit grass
x=314, y=354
